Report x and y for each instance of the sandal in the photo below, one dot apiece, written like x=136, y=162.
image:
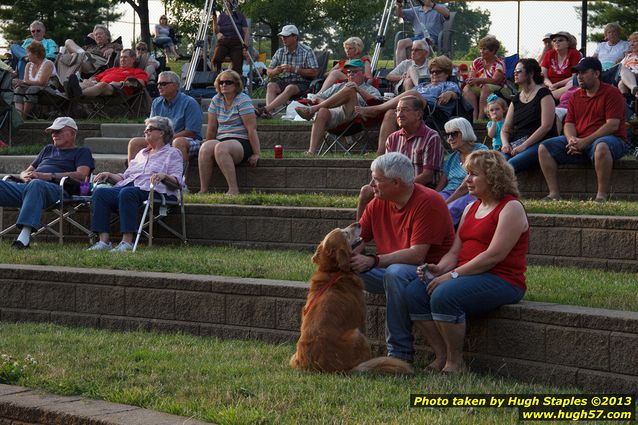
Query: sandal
x=305, y=112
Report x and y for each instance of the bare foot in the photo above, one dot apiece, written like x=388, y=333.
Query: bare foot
x=231, y=193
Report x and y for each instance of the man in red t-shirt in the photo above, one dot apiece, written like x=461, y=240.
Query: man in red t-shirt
x=410, y=224
x=126, y=77
x=594, y=131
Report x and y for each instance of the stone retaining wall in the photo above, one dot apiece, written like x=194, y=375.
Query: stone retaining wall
x=608, y=243
x=21, y=406
x=594, y=349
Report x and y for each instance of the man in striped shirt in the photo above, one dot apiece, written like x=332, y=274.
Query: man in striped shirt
x=417, y=141
x=291, y=69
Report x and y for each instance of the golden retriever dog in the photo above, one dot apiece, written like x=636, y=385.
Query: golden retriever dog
x=331, y=339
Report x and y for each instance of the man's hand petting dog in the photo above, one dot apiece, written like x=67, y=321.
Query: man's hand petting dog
x=361, y=263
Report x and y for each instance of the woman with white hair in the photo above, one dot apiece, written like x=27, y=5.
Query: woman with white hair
x=159, y=164
x=462, y=140
x=19, y=53
x=353, y=47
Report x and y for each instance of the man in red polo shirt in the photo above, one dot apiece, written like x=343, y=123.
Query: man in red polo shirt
x=594, y=131
x=125, y=77
x=410, y=225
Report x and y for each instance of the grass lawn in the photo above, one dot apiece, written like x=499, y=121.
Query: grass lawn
x=236, y=382
x=584, y=287
x=576, y=207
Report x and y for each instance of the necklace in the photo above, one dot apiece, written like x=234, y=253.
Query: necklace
x=526, y=96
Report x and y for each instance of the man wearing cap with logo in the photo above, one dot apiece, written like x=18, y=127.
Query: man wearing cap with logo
x=40, y=186
x=339, y=100
x=593, y=131
x=291, y=69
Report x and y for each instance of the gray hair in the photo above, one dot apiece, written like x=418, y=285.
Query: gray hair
x=38, y=24
x=105, y=29
x=171, y=76
x=462, y=125
x=395, y=165
x=422, y=44
x=612, y=26
x=163, y=124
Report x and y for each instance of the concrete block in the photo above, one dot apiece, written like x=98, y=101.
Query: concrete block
x=609, y=244
x=199, y=307
x=268, y=229
x=251, y=311
x=311, y=231
x=555, y=241
x=100, y=299
x=623, y=353
x=123, y=324
x=588, y=348
x=225, y=332
x=11, y=293
x=24, y=315
x=519, y=340
x=597, y=381
x=267, y=177
x=289, y=313
x=50, y=296
x=156, y=304
x=347, y=178
x=75, y=319
x=307, y=178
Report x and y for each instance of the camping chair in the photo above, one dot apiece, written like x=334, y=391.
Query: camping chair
x=156, y=209
x=347, y=136
x=135, y=105
x=64, y=210
x=9, y=117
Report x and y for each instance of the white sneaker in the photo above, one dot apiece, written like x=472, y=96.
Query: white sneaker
x=123, y=246
x=100, y=246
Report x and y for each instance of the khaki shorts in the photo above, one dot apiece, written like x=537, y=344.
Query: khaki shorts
x=337, y=117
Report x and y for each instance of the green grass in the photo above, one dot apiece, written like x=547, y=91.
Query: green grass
x=21, y=150
x=574, y=286
x=535, y=206
x=237, y=382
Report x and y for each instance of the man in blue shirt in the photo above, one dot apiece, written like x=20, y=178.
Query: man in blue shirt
x=183, y=111
x=40, y=186
x=427, y=22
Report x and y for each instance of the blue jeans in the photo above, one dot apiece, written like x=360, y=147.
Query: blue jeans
x=31, y=198
x=457, y=206
x=125, y=199
x=18, y=59
x=524, y=160
x=392, y=282
x=454, y=298
x=556, y=147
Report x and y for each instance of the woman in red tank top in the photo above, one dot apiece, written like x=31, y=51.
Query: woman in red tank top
x=484, y=269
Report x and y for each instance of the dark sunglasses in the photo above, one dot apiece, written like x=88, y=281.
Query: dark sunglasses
x=453, y=134
x=38, y=30
x=149, y=129
x=436, y=72
x=164, y=83
x=226, y=83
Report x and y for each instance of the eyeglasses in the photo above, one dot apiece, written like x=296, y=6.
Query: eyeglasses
x=452, y=135
x=352, y=71
x=436, y=71
x=164, y=83
x=377, y=180
x=150, y=129
x=518, y=71
x=226, y=83
x=38, y=30
x=558, y=40
x=141, y=49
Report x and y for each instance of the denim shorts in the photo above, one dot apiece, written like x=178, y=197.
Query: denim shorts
x=557, y=148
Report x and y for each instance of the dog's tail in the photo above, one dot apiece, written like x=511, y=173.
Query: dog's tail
x=390, y=365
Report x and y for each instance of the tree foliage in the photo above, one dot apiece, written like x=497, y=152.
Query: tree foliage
x=59, y=17
x=625, y=13
x=140, y=7
x=470, y=25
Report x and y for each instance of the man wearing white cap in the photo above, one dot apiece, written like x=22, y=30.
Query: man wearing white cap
x=291, y=69
x=39, y=186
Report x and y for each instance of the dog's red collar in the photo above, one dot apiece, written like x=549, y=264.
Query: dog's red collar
x=320, y=293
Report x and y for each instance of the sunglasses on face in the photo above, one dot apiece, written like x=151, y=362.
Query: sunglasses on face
x=226, y=83
x=164, y=83
x=436, y=71
x=38, y=30
x=453, y=134
x=150, y=129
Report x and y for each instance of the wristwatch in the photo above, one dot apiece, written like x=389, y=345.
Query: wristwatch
x=454, y=274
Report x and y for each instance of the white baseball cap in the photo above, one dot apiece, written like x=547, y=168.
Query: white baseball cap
x=62, y=122
x=289, y=30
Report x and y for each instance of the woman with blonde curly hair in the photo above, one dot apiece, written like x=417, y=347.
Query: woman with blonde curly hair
x=353, y=47
x=484, y=269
